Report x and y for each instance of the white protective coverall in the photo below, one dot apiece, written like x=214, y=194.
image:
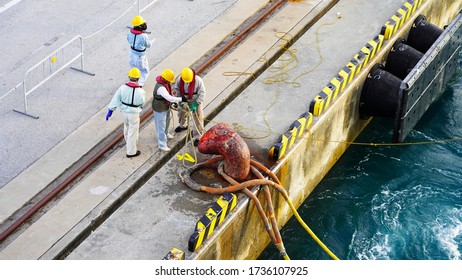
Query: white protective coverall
x=130, y=100
x=139, y=42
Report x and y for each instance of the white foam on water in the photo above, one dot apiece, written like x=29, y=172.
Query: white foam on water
x=381, y=249
x=364, y=248
x=449, y=233
x=378, y=248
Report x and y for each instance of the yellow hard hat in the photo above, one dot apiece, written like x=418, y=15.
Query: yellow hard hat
x=134, y=73
x=187, y=75
x=137, y=21
x=168, y=75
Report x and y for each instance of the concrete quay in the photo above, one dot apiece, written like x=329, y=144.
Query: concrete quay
x=162, y=213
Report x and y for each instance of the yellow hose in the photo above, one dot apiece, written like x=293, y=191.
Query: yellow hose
x=281, y=189
x=250, y=183
x=272, y=229
x=307, y=228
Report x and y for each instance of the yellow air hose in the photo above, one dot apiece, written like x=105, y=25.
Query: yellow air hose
x=304, y=225
x=244, y=186
x=281, y=189
x=310, y=232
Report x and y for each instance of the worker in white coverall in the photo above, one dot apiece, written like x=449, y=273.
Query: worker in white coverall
x=161, y=100
x=130, y=98
x=192, y=87
x=139, y=42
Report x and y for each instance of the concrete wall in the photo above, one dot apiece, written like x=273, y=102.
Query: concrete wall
x=242, y=236
x=441, y=12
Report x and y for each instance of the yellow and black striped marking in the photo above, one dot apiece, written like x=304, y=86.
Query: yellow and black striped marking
x=294, y=132
x=200, y=233
x=317, y=105
x=321, y=101
x=389, y=28
x=298, y=127
x=335, y=84
x=329, y=90
x=342, y=82
x=286, y=140
x=379, y=42
x=174, y=254
x=411, y=6
x=302, y=123
x=224, y=205
x=405, y=11
x=360, y=58
x=212, y=218
x=347, y=74
x=354, y=66
x=275, y=151
x=366, y=53
x=279, y=149
x=375, y=45
x=399, y=18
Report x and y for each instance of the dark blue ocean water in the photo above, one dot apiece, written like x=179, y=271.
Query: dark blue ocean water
x=390, y=202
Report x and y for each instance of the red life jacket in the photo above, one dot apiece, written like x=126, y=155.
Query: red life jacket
x=191, y=86
x=137, y=32
x=134, y=86
x=159, y=103
x=166, y=84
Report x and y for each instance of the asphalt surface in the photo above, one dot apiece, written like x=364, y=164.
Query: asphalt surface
x=31, y=30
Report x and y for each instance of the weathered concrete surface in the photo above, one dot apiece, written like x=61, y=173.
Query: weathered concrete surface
x=30, y=182
x=72, y=105
x=174, y=209
x=70, y=99
x=105, y=182
x=441, y=13
x=177, y=208
x=162, y=214
x=311, y=158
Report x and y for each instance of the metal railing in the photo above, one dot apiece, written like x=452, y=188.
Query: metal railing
x=49, y=62
x=46, y=69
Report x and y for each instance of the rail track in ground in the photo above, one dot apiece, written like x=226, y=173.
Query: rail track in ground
x=37, y=207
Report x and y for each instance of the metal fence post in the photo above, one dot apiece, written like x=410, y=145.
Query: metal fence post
x=52, y=58
x=82, y=63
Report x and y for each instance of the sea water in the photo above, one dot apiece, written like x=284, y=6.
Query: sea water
x=390, y=202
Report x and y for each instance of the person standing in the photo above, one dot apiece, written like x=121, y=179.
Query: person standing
x=130, y=98
x=139, y=42
x=161, y=106
x=191, y=87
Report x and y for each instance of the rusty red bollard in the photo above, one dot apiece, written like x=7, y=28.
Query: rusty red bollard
x=222, y=140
